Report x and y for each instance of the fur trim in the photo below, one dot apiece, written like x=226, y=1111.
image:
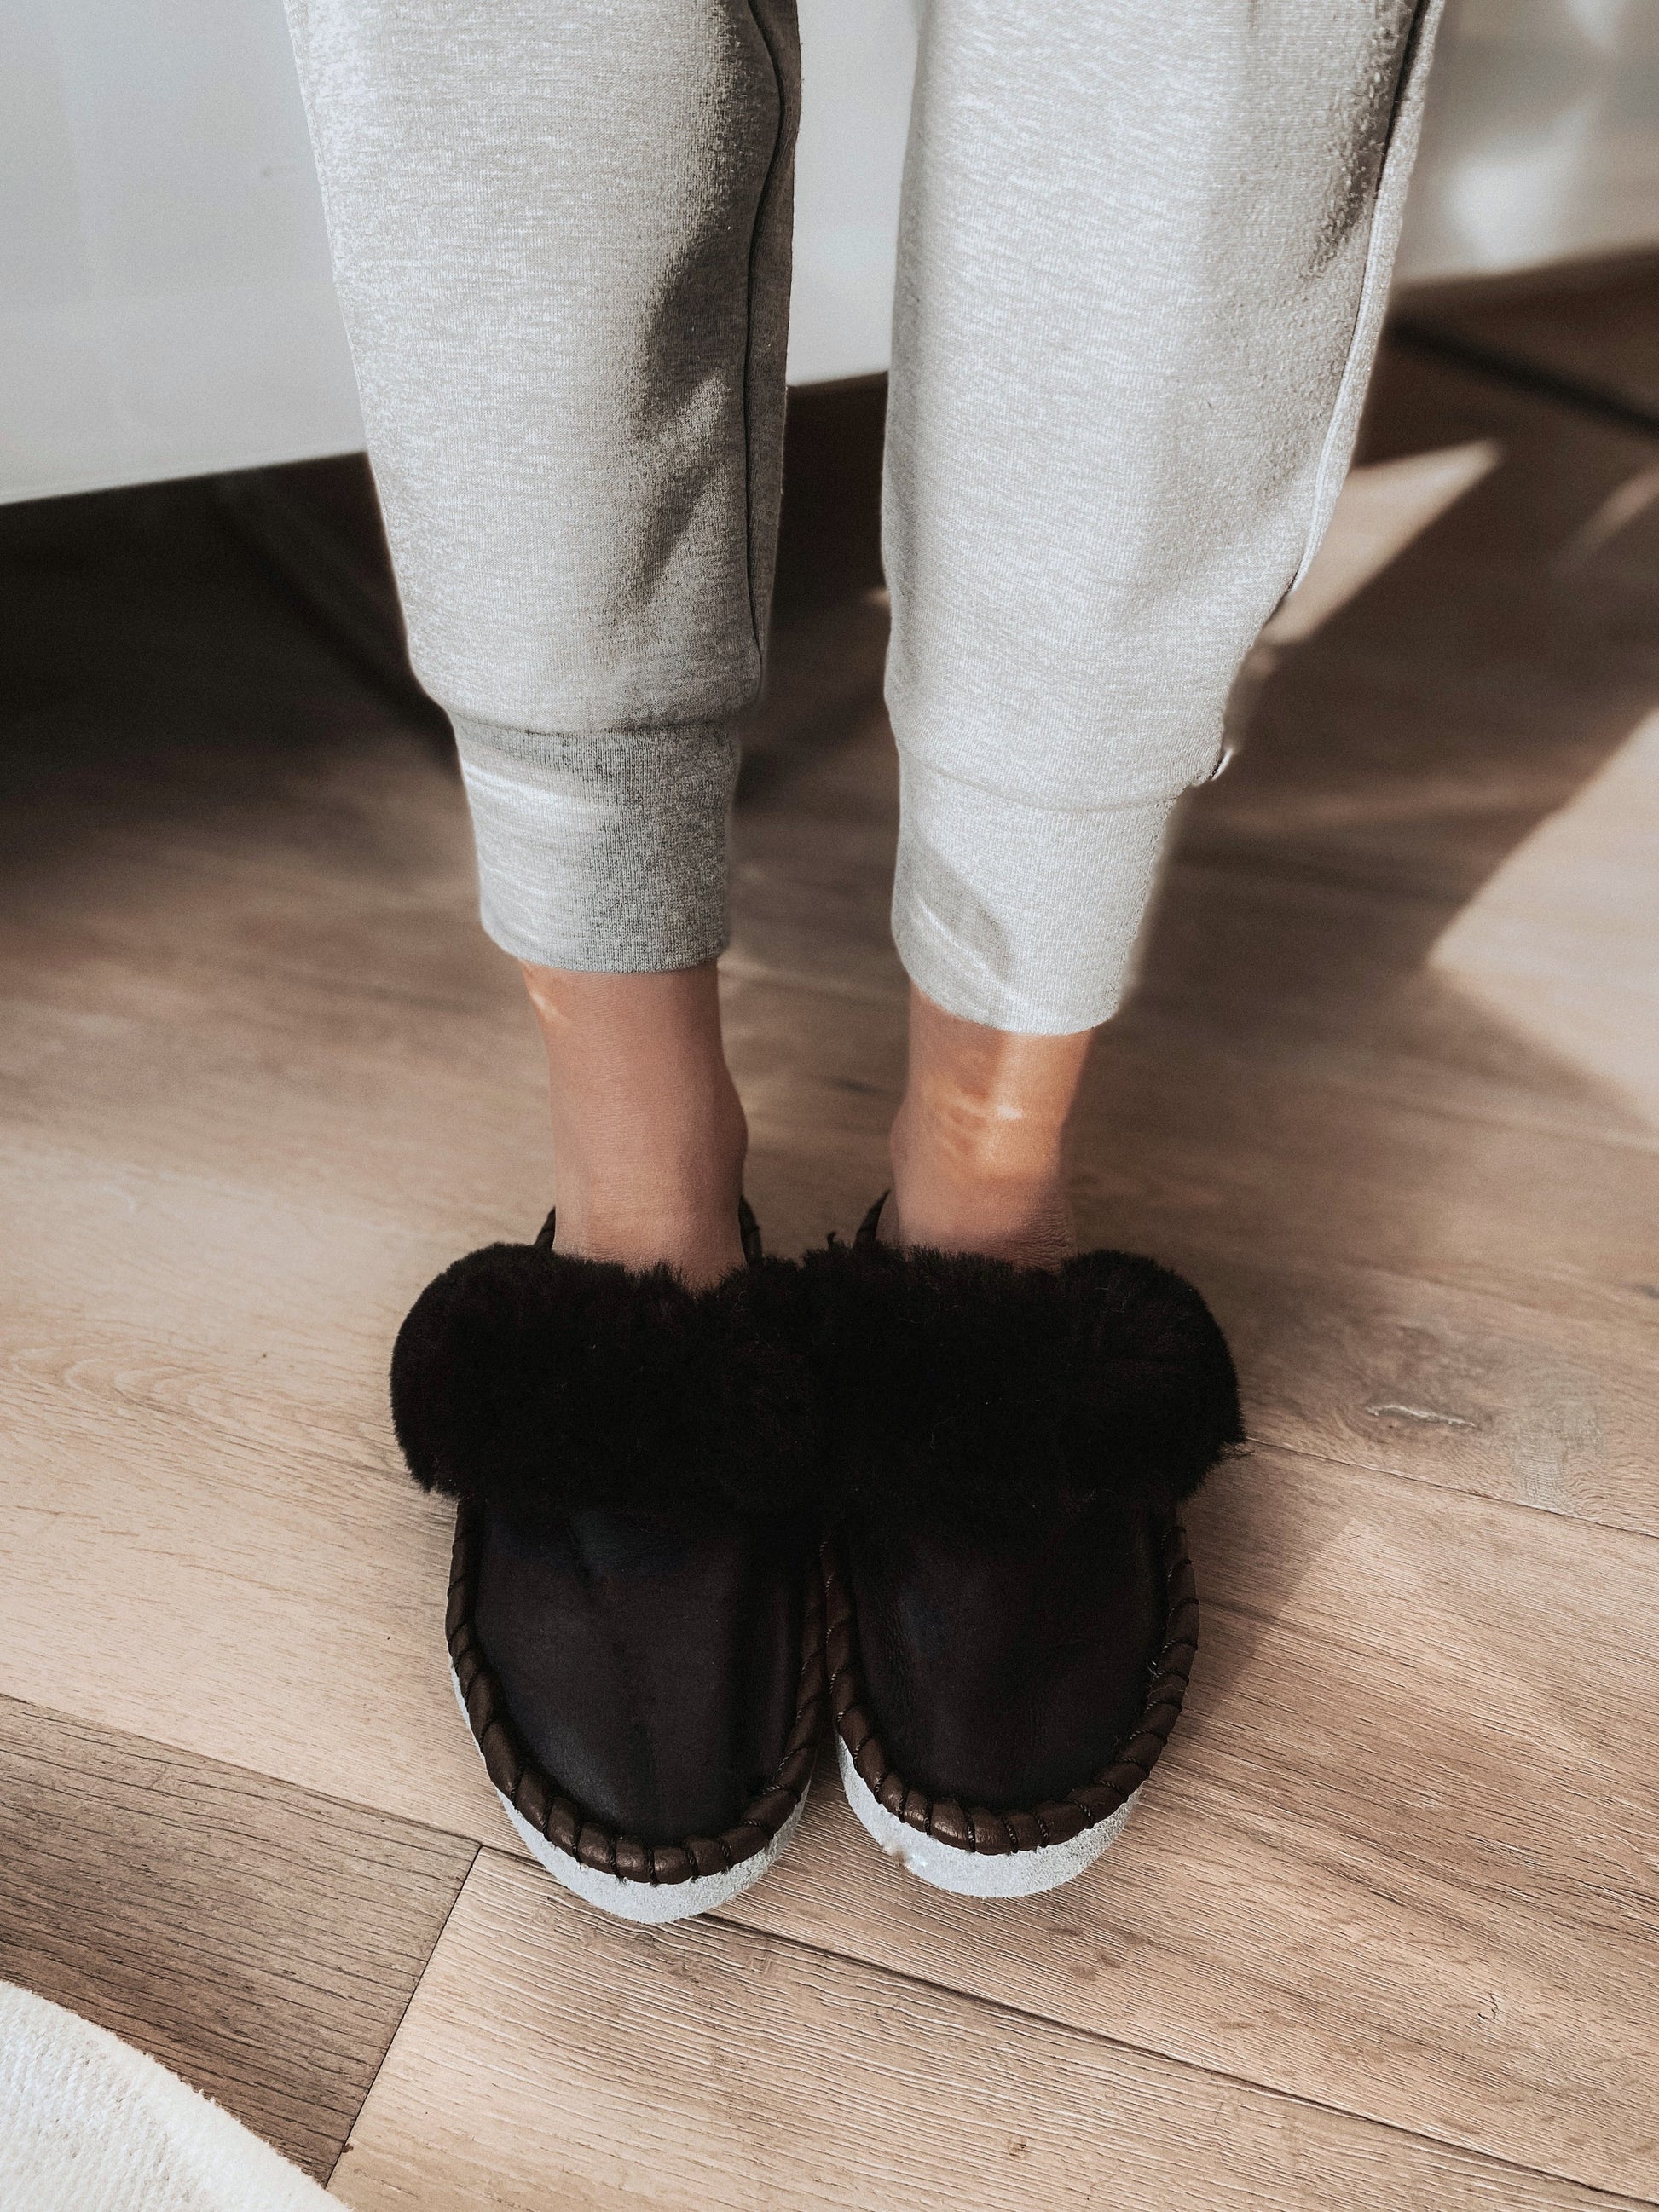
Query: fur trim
x=966, y=1391
x=923, y=1385
x=529, y=1380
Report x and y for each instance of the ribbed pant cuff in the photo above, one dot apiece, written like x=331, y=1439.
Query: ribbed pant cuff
x=604, y=851
x=1025, y=918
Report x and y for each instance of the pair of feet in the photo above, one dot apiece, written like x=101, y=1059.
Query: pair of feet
x=928, y=1499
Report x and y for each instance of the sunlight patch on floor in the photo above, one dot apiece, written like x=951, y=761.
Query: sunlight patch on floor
x=1626, y=504
x=1562, y=943
x=1382, y=508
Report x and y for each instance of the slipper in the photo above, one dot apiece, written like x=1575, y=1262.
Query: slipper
x=1010, y=1610
x=635, y=1614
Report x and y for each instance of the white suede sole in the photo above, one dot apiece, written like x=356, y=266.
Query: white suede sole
x=645, y=1901
x=971, y=1874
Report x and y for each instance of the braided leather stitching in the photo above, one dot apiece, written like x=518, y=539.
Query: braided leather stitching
x=567, y=1826
x=975, y=1827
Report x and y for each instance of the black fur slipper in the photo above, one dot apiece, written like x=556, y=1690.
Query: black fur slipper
x=1010, y=1609
x=635, y=1616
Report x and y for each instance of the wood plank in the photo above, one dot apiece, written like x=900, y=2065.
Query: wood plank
x=1401, y=1854
x=552, y=2057
x=260, y=1076
x=1508, y=1275
x=1413, y=741
x=1557, y=947
x=221, y=1474
x=1350, y=1608
x=1596, y=327
x=262, y=1941
x=1496, y=1397
x=1299, y=974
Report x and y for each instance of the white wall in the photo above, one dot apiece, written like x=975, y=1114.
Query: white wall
x=1541, y=138
x=165, y=302
x=165, y=306
x=857, y=59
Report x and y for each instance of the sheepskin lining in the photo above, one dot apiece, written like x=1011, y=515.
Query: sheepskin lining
x=966, y=1392
x=538, y=1383
x=862, y=1380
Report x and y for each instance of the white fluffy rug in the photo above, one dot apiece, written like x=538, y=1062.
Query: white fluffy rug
x=88, y=2124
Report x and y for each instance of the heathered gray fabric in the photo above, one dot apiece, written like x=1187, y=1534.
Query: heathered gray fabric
x=607, y=850
x=993, y=895
x=1144, y=255
x=561, y=232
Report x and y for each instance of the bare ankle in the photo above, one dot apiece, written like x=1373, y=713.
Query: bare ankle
x=702, y=1245
x=648, y=1133
x=945, y=1201
x=979, y=1147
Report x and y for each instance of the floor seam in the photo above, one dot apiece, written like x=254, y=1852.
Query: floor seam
x=1306, y=1452
x=725, y=1917
x=416, y=1988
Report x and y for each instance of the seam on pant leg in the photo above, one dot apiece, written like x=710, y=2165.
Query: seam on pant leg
x=1334, y=454
x=763, y=208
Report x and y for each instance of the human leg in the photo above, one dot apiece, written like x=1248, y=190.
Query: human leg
x=561, y=243
x=562, y=240
x=1144, y=255
x=979, y=1147
x=1143, y=262
x=648, y=1128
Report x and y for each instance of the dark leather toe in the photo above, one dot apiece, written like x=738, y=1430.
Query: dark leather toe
x=650, y=1661
x=1005, y=1673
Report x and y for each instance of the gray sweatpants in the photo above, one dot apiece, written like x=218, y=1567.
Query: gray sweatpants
x=1145, y=248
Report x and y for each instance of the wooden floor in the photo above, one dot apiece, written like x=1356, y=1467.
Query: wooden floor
x=1385, y=1932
